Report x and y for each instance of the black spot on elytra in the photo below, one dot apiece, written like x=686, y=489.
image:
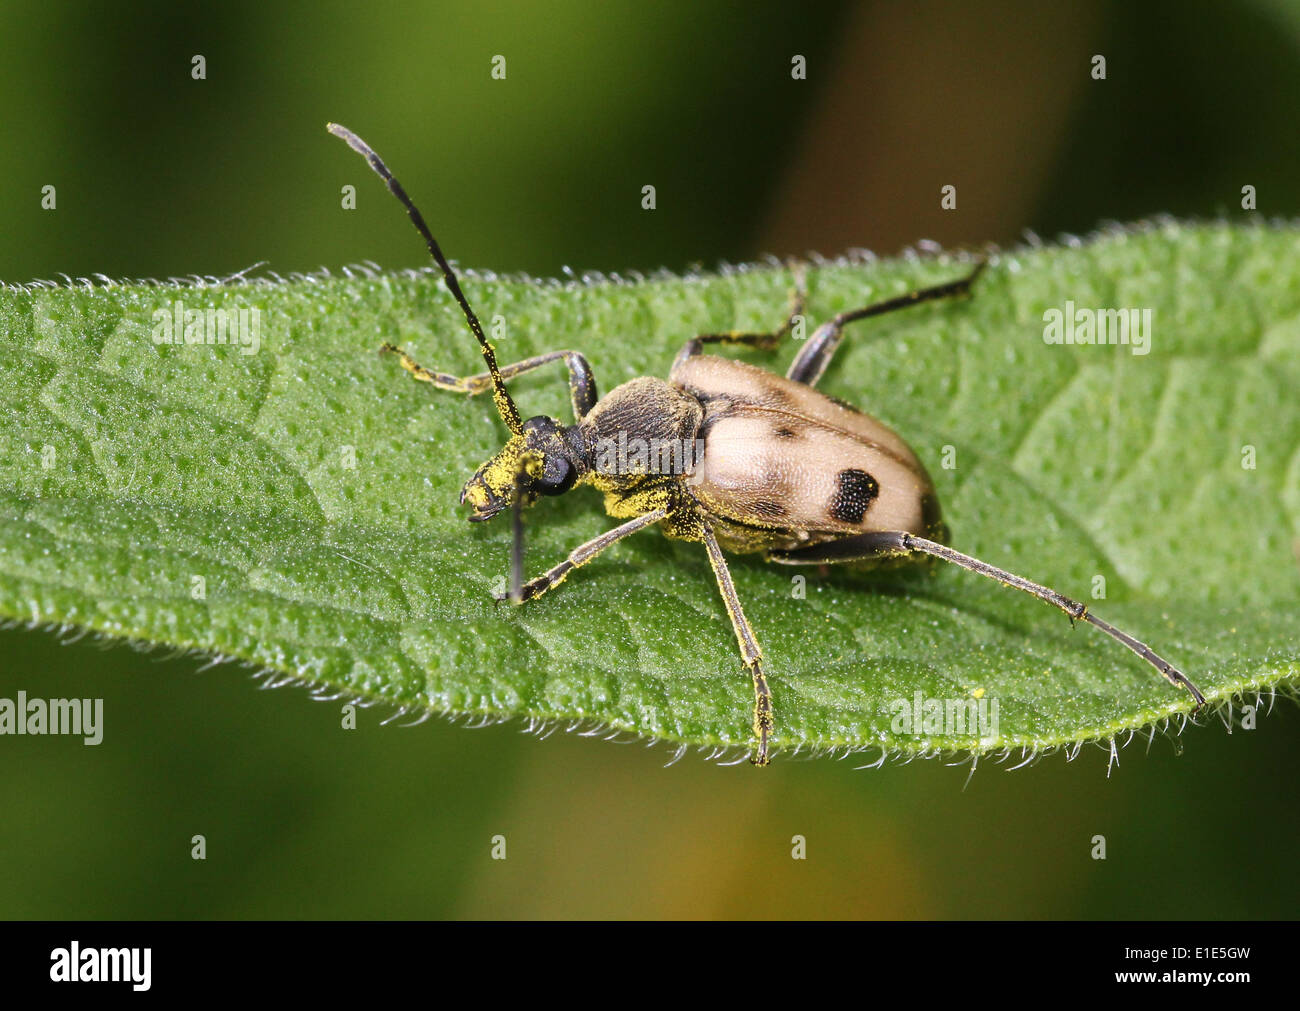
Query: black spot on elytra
x=770, y=509
x=854, y=491
x=782, y=432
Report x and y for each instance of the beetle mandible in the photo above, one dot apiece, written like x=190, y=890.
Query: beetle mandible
x=785, y=469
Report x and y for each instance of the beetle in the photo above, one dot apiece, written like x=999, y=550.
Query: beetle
x=775, y=465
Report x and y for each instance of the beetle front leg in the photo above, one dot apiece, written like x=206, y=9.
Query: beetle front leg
x=581, y=555
x=582, y=384
x=749, y=649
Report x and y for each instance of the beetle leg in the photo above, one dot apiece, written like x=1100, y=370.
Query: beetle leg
x=813, y=357
x=582, y=384
x=749, y=650
x=582, y=554
x=884, y=544
x=764, y=341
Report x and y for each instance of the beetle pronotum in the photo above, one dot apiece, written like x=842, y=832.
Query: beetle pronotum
x=785, y=470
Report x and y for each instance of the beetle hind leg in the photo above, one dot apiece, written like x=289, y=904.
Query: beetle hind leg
x=896, y=544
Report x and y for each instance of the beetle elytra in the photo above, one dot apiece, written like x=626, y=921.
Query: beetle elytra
x=783, y=469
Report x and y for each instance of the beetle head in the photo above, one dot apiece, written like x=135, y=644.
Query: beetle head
x=539, y=461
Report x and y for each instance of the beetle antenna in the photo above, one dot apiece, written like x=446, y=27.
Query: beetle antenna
x=505, y=406
x=517, y=549
x=526, y=461
x=1073, y=609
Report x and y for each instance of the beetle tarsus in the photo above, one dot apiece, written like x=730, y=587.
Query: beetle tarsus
x=1180, y=679
x=1073, y=609
x=763, y=722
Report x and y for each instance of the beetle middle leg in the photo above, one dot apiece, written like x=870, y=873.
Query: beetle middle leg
x=813, y=357
x=582, y=384
x=763, y=340
x=749, y=649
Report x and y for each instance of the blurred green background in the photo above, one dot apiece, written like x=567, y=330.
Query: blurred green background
x=158, y=175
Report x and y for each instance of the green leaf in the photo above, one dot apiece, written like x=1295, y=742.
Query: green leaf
x=203, y=497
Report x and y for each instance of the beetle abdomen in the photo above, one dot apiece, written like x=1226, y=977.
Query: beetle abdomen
x=786, y=467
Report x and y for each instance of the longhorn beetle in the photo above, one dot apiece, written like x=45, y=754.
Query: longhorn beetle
x=785, y=470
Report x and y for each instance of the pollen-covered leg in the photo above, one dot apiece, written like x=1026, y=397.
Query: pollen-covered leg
x=885, y=544
x=749, y=650
x=813, y=357
x=582, y=384
x=765, y=340
x=581, y=555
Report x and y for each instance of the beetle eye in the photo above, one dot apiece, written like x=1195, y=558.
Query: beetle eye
x=558, y=475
